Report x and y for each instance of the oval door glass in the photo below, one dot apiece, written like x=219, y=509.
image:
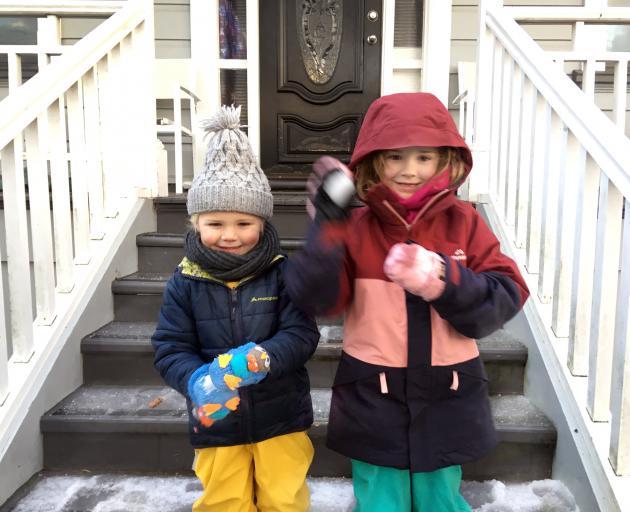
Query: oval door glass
x=320, y=27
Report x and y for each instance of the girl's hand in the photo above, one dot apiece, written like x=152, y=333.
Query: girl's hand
x=417, y=270
x=322, y=168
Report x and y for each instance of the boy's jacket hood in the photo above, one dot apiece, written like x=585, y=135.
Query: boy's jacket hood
x=405, y=120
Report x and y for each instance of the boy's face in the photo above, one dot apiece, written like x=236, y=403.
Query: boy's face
x=407, y=169
x=231, y=232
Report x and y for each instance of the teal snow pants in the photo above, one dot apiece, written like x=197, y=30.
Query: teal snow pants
x=382, y=489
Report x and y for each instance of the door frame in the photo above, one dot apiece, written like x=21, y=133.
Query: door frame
x=204, y=54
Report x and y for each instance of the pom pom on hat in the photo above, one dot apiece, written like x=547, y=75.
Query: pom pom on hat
x=231, y=179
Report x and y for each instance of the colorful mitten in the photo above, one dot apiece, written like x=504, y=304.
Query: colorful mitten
x=209, y=402
x=212, y=388
x=417, y=270
x=241, y=366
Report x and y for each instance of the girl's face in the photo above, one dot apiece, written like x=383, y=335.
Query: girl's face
x=231, y=232
x=407, y=169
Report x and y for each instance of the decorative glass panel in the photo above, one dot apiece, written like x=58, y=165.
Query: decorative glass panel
x=232, y=29
x=320, y=26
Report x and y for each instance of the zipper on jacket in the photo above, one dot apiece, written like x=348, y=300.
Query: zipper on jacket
x=420, y=214
x=246, y=405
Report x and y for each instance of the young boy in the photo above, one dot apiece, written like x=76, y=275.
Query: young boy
x=230, y=340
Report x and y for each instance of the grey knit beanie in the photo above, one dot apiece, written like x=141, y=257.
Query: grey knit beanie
x=232, y=180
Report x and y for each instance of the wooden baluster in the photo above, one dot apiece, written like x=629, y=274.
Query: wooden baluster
x=528, y=107
x=539, y=166
x=607, y=243
x=551, y=190
x=495, y=124
x=78, y=174
x=61, y=197
x=16, y=229
x=587, y=179
x=504, y=131
x=620, y=394
x=573, y=167
x=41, y=230
x=93, y=154
x=4, y=353
x=514, y=139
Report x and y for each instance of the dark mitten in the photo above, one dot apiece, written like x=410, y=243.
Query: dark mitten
x=331, y=189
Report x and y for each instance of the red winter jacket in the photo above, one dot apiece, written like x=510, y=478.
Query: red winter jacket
x=410, y=390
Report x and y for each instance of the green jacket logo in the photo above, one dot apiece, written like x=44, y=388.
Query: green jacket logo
x=266, y=299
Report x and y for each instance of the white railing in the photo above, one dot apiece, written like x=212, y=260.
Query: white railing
x=48, y=29
x=80, y=135
x=558, y=182
x=592, y=62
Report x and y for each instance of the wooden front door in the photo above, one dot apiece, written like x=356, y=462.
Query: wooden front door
x=320, y=68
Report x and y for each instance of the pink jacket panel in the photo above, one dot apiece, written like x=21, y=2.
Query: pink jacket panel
x=447, y=345
x=375, y=326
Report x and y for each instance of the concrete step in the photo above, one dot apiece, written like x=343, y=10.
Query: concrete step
x=162, y=252
x=119, y=428
x=289, y=213
x=121, y=353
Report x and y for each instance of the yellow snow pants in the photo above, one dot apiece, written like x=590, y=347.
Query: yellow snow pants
x=269, y=476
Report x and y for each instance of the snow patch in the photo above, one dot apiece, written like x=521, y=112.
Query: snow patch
x=129, y=493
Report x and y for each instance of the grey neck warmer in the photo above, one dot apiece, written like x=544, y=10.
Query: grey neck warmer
x=233, y=267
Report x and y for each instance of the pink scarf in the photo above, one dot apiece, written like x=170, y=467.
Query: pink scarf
x=415, y=203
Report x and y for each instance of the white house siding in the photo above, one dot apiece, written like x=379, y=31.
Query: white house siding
x=172, y=29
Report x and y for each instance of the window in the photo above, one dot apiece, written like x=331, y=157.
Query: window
x=232, y=29
x=19, y=30
x=408, y=23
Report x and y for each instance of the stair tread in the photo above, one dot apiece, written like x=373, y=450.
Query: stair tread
x=129, y=405
x=136, y=337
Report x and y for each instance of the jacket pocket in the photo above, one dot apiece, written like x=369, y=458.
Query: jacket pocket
x=459, y=380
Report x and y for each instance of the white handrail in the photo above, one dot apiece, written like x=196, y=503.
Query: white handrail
x=61, y=7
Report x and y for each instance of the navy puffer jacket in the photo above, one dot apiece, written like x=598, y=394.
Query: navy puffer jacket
x=202, y=317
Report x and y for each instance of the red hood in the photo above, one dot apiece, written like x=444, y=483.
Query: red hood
x=405, y=120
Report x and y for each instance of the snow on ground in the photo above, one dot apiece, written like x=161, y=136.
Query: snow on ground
x=127, y=493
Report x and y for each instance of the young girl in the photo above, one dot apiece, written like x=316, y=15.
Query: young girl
x=419, y=277
x=230, y=340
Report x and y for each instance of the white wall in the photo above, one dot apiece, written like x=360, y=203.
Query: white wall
x=172, y=29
